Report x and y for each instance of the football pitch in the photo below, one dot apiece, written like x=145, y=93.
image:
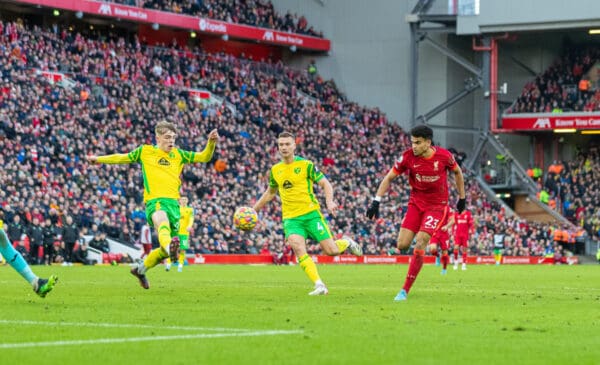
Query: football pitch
x=263, y=315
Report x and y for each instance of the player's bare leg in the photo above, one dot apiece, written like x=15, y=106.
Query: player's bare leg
x=405, y=238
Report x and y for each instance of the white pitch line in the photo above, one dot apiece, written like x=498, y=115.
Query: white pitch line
x=118, y=325
x=142, y=339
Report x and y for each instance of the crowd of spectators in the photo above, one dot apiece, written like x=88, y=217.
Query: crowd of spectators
x=120, y=89
x=570, y=84
x=565, y=86
x=258, y=13
x=575, y=188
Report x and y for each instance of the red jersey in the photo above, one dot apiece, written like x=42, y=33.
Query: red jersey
x=428, y=177
x=463, y=222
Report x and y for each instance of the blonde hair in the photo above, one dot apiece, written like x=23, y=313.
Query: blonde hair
x=163, y=126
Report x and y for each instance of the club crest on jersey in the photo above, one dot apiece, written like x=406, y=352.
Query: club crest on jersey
x=164, y=162
x=436, y=165
x=297, y=170
x=287, y=184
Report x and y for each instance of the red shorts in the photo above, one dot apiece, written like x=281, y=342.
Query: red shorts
x=461, y=241
x=427, y=220
x=440, y=238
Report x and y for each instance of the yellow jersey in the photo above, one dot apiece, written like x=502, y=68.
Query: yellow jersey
x=294, y=182
x=186, y=220
x=161, y=170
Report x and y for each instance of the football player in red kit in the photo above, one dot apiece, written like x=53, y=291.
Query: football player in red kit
x=462, y=231
x=427, y=167
x=440, y=242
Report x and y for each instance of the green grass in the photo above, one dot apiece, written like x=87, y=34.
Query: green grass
x=494, y=315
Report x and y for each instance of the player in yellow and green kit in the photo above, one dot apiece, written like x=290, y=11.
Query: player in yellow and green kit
x=161, y=169
x=294, y=178
x=186, y=222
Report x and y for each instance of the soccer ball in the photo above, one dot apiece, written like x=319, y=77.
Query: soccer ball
x=245, y=218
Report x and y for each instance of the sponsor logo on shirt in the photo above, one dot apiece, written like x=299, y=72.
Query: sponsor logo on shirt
x=287, y=184
x=426, y=178
x=164, y=162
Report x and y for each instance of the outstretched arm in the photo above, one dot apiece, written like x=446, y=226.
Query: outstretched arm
x=460, y=182
x=373, y=210
x=267, y=196
x=207, y=154
x=460, y=186
x=385, y=184
x=117, y=158
x=328, y=189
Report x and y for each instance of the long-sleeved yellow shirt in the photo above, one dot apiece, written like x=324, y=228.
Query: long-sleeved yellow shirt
x=161, y=170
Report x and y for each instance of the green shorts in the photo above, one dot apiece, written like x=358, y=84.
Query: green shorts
x=184, y=241
x=169, y=206
x=498, y=251
x=311, y=225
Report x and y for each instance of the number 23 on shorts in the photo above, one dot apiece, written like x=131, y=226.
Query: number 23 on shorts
x=431, y=222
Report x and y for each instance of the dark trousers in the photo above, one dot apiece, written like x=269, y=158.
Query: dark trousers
x=69, y=251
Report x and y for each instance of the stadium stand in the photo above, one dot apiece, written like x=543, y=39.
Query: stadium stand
x=568, y=85
x=565, y=86
x=574, y=185
x=65, y=95
x=258, y=13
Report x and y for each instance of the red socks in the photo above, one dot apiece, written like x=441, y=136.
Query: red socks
x=445, y=259
x=413, y=269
